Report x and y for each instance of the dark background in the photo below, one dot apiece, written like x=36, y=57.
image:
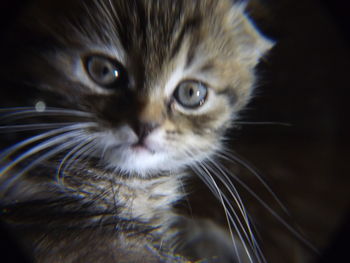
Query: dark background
x=304, y=82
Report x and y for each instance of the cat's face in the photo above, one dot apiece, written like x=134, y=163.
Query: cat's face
x=162, y=79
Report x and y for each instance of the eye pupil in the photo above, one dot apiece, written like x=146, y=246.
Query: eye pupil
x=191, y=92
x=105, y=71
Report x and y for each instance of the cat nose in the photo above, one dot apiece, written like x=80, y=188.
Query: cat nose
x=143, y=129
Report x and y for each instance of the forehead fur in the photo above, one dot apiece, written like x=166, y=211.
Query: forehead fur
x=155, y=29
x=151, y=38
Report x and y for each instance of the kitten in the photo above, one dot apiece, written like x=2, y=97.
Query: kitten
x=119, y=99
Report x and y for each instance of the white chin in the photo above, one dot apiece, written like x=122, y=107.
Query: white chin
x=140, y=161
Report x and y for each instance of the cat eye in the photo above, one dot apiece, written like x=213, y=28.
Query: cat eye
x=106, y=72
x=191, y=94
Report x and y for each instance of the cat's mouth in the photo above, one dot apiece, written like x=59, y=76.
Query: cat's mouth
x=140, y=147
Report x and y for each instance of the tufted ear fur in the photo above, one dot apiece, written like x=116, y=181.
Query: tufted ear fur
x=251, y=45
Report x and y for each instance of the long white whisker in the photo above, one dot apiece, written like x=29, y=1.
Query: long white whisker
x=76, y=157
x=246, y=187
x=234, y=194
x=113, y=10
x=25, y=114
x=4, y=155
x=223, y=198
x=50, y=110
x=229, y=186
x=229, y=217
x=277, y=216
x=44, y=157
x=255, y=173
x=41, y=146
x=78, y=147
x=30, y=127
x=38, y=148
x=216, y=191
x=82, y=155
x=263, y=123
x=236, y=198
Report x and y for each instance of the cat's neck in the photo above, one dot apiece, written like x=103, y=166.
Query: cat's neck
x=147, y=199
x=144, y=203
x=111, y=196
x=116, y=209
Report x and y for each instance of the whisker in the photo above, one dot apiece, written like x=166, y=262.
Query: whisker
x=271, y=211
x=211, y=184
x=249, y=238
x=41, y=146
x=234, y=194
x=182, y=186
x=20, y=113
x=250, y=168
x=31, y=127
x=38, y=148
x=230, y=186
x=67, y=157
x=245, y=186
x=74, y=157
x=225, y=200
x=47, y=109
x=5, y=154
x=83, y=155
x=114, y=12
x=44, y=157
x=262, y=123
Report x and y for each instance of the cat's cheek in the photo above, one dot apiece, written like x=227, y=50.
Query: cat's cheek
x=156, y=141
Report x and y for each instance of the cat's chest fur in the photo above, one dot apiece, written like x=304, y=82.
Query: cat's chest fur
x=98, y=217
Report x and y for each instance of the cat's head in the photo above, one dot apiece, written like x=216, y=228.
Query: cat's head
x=163, y=79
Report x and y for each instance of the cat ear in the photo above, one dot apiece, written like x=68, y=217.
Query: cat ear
x=251, y=45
